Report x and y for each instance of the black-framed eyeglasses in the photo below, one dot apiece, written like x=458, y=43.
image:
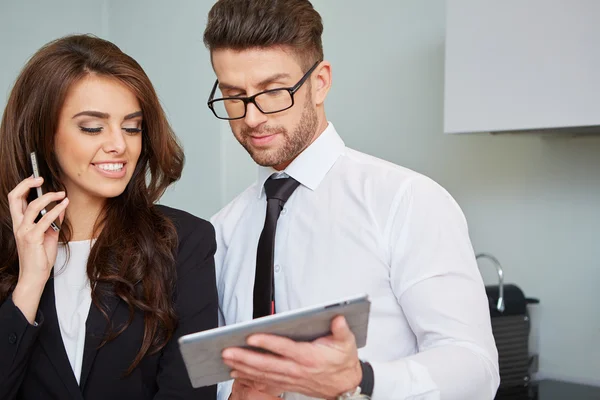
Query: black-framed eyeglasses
x=268, y=102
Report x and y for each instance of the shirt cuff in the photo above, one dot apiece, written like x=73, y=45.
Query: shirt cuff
x=224, y=390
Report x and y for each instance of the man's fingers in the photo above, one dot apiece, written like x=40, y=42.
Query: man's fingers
x=246, y=392
x=259, y=363
x=283, y=383
x=340, y=329
x=260, y=386
x=279, y=345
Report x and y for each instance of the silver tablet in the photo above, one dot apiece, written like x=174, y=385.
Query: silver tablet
x=202, y=351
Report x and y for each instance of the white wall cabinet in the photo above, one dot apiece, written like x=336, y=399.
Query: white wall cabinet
x=515, y=65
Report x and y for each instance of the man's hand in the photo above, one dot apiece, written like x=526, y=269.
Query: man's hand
x=248, y=390
x=324, y=368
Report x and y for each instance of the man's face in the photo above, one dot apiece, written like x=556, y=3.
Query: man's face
x=270, y=139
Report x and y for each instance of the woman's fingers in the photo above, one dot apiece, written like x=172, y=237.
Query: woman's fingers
x=17, y=199
x=36, y=206
x=52, y=215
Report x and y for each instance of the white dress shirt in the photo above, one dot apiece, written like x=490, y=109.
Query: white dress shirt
x=358, y=224
x=73, y=297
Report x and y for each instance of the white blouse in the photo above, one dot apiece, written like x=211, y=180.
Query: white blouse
x=73, y=296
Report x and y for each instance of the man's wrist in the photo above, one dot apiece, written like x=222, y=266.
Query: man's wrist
x=365, y=388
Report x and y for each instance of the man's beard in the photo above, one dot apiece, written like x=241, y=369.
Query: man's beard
x=293, y=144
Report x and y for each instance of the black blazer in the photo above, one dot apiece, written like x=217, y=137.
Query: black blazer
x=34, y=363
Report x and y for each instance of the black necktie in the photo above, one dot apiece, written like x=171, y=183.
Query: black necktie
x=278, y=191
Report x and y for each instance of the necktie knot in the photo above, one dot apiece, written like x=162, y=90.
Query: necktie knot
x=280, y=189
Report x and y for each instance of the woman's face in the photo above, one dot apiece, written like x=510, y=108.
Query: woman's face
x=99, y=138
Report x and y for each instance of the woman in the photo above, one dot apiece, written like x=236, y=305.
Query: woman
x=94, y=310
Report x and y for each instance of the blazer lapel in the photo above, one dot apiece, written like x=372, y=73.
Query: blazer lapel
x=96, y=330
x=52, y=343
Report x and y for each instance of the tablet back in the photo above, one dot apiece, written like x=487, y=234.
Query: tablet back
x=202, y=351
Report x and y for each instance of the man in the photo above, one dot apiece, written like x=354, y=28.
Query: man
x=345, y=223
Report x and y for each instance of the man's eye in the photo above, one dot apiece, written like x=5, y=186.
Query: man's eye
x=233, y=94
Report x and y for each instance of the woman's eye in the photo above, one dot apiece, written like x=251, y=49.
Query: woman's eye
x=90, y=130
x=132, y=131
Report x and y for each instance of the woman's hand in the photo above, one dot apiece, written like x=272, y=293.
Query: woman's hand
x=37, y=243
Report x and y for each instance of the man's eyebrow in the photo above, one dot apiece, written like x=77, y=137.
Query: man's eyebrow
x=261, y=84
x=273, y=78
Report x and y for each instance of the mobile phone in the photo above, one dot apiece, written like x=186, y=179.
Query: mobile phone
x=39, y=191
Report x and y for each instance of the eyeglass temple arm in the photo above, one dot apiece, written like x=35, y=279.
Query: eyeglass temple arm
x=213, y=91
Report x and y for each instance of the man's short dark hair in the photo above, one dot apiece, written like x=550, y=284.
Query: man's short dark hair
x=247, y=24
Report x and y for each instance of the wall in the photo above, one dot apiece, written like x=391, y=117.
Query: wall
x=27, y=25
x=167, y=41
x=531, y=201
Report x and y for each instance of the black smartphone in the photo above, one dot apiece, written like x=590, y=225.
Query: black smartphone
x=39, y=192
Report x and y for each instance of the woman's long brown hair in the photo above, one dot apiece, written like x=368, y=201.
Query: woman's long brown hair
x=133, y=256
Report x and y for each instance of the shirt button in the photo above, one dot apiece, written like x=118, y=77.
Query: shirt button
x=12, y=338
x=283, y=211
x=277, y=268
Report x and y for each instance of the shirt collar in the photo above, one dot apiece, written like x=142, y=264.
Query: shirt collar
x=311, y=166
